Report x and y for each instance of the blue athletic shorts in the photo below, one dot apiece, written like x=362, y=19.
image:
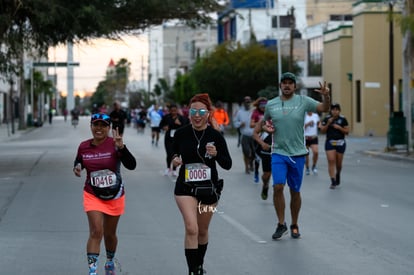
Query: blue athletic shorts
x=288, y=169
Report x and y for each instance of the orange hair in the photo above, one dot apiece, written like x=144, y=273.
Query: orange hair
x=205, y=99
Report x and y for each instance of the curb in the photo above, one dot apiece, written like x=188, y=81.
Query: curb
x=17, y=134
x=390, y=156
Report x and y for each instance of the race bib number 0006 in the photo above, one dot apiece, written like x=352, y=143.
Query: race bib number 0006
x=197, y=172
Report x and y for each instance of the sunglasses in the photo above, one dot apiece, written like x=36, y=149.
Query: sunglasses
x=201, y=112
x=104, y=117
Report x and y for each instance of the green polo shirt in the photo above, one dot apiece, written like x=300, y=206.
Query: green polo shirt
x=288, y=119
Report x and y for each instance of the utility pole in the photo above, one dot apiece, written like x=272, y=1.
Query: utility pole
x=292, y=36
x=279, y=54
x=407, y=67
x=142, y=73
x=70, y=100
x=391, y=58
x=250, y=27
x=177, y=41
x=11, y=104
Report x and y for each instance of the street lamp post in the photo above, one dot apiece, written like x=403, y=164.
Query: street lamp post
x=391, y=58
x=391, y=121
x=279, y=49
x=397, y=133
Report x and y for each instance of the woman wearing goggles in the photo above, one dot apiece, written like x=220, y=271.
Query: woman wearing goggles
x=197, y=148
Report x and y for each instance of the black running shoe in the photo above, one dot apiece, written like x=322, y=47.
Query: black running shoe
x=294, y=231
x=201, y=270
x=338, y=179
x=265, y=190
x=280, y=231
x=333, y=183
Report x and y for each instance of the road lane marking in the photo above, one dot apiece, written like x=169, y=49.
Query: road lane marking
x=241, y=228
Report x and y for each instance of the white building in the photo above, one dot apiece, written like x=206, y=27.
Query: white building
x=174, y=47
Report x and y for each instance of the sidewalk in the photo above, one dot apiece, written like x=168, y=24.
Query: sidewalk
x=6, y=131
x=376, y=147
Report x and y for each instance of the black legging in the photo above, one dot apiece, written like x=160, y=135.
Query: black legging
x=168, y=143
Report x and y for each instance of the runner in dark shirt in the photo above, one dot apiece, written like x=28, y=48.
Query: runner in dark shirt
x=336, y=127
x=197, y=148
x=170, y=123
x=118, y=117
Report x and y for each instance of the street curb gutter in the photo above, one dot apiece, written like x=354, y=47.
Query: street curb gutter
x=390, y=156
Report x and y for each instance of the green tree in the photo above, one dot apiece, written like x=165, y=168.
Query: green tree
x=117, y=80
x=113, y=87
x=183, y=88
x=140, y=98
x=40, y=87
x=39, y=24
x=35, y=25
x=99, y=97
x=162, y=91
x=230, y=73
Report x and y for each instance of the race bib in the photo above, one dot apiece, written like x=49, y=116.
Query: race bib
x=197, y=172
x=339, y=142
x=103, y=178
x=264, y=135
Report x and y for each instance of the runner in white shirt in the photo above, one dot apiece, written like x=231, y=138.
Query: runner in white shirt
x=312, y=121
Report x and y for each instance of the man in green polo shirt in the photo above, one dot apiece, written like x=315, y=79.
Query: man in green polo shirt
x=287, y=113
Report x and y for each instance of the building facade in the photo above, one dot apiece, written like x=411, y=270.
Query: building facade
x=174, y=48
x=357, y=66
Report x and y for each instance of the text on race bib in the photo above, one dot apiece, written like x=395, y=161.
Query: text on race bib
x=103, y=178
x=197, y=172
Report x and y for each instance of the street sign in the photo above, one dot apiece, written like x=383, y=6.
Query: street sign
x=55, y=64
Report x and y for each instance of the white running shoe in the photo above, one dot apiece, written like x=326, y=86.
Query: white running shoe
x=167, y=172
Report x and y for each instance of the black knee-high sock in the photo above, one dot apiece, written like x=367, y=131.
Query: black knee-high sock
x=191, y=254
x=202, y=248
x=110, y=255
x=256, y=166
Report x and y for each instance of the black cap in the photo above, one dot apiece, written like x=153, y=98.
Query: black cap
x=336, y=106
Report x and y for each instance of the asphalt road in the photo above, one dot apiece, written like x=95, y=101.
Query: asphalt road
x=364, y=227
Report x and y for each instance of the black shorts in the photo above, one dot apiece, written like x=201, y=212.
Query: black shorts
x=266, y=162
x=181, y=189
x=311, y=140
x=119, y=126
x=156, y=129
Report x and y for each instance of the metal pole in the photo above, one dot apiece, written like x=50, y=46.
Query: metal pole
x=391, y=58
x=11, y=102
x=279, y=54
x=32, y=94
x=407, y=46
x=70, y=100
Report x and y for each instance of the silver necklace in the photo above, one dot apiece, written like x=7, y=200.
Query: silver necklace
x=198, y=139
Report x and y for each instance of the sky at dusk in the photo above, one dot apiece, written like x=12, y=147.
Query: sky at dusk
x=94, y=58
